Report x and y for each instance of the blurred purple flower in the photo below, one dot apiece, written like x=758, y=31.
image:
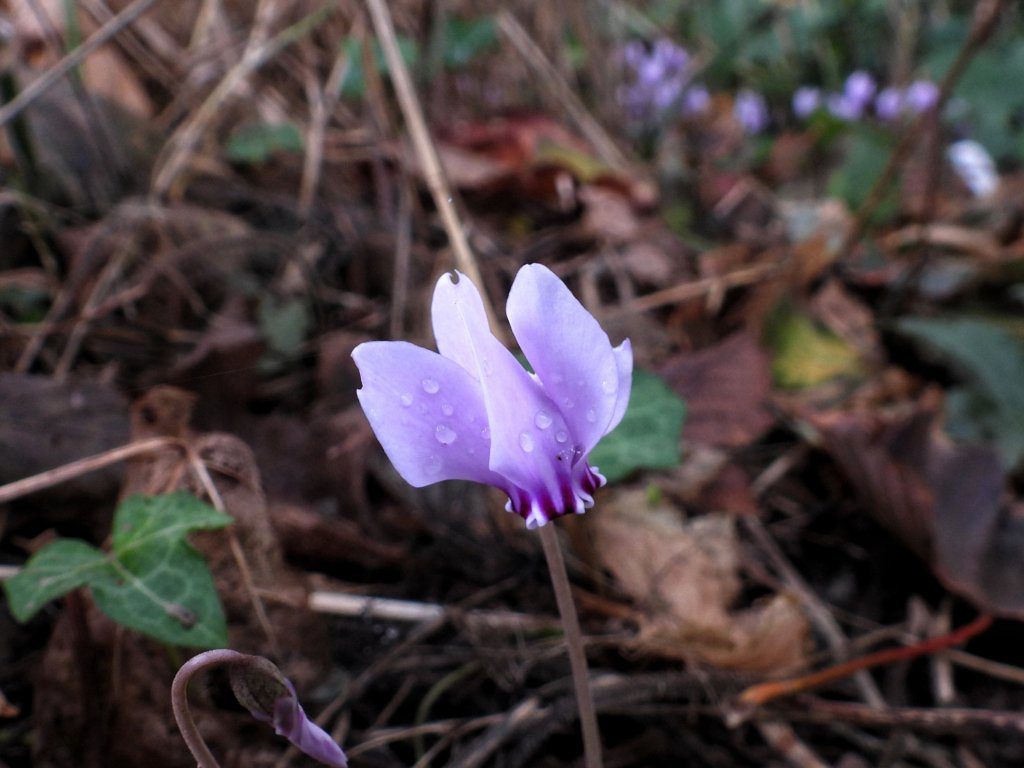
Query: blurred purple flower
x=889, y=103
x=473, y=412
x=656, y=79
x=750, y=111
x=806, y=101
x=696, y=100
x=843, y=107
x=859, y=89
x=922, y=95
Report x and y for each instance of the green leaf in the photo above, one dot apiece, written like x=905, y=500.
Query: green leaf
x=465, y=39
x=866, y=156
x=806, y=355
x=354, y=83
x=991, y=402
x=284, y=324
x=53, y=571
x=648, y=436
x=257, y=143
x=152, y=581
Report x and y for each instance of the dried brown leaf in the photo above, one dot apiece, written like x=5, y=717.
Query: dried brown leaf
x=685, y=579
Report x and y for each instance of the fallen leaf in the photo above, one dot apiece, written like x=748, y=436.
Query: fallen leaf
x=947, y=502
x=684, y=577
x=807, y=355
x=726, y=389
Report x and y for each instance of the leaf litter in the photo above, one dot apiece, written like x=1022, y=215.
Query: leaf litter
x=247, y=302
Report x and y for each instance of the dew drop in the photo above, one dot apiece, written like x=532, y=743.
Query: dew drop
x=433, y=465
x=568, y=403
x=406, y=400
x=447, y=409
x=609, y=386
x=542, y=420
x=591, y=416
x=445, y=435
x=526, y=442
x=485, y=433
x=561, y=436
x=430, y=386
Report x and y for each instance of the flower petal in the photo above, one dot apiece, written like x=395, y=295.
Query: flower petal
x=569, y=351
x=427, y=412
x=531, y=444
x=624, y=365
x=455, y=308
x=291, y=722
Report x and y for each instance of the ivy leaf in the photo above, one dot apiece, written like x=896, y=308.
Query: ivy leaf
x=53, y=571
x=991, y=361
x=152, y=581
x=648, y=435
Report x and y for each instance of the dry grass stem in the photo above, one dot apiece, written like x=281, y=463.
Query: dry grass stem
x=46, y=81
x=64, y=473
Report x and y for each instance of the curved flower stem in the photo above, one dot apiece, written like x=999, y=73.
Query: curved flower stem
x=179, y=701
x=574, y=641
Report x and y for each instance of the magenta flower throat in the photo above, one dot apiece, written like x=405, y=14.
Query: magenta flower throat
x=473, y=412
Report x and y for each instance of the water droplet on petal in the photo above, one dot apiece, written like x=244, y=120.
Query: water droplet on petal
x=561, y=436
x=407, y=400
x=485, y=433
x=430, y=386
x=568, y=403
x=447, y=409
x=542, y=420
x=445, y=435
x=433, y=465
x=526, y=442
x=609, y=386
x=591, y=416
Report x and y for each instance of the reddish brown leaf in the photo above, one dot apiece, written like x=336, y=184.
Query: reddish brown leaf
x=945, y=501
x=726, y=389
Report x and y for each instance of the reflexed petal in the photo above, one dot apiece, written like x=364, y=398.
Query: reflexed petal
x=531, y=444
x=427, y=412
x=568, y=350
x=456, y=307
x=624, y=365
x=291, y=722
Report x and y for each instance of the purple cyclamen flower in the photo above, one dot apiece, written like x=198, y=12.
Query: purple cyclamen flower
x=843, y=107
x=750, y=111
x=889, y=103
x=473, y=412
x=922, y=95
x=696, y=101
x=860, y=88
x=806, y=101
x=270, y=697
x=289, y=720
